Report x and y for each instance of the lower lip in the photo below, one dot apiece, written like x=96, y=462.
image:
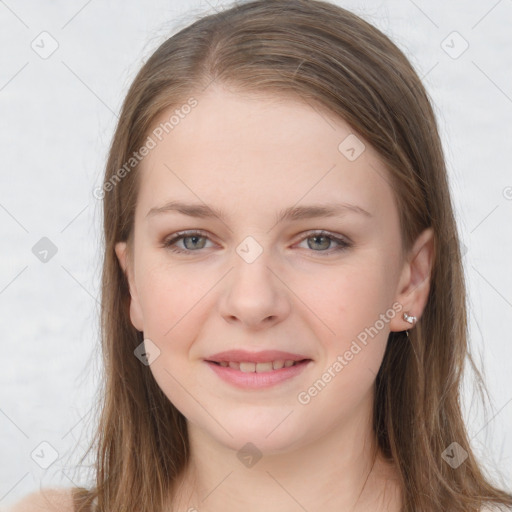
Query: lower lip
x=254, y=380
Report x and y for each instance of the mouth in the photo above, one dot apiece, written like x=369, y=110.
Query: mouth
x=259, y=367
x=257, y=370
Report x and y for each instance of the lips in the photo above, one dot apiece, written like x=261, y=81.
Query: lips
x=257, y=370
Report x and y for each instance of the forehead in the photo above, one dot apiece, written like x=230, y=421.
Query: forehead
x=264, y=152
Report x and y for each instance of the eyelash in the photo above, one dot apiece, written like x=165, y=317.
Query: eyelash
x=344, y=244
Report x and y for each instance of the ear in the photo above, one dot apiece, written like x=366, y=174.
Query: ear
x=136, y=315
x=414, y=282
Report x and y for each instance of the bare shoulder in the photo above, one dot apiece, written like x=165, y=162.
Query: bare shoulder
x=45, y=500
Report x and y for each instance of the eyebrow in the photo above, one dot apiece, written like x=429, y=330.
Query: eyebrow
x=291, y=213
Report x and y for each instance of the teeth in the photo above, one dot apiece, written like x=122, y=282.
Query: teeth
x=264, y=367
x=248, y=367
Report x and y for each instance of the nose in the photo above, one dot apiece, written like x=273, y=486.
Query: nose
x=254, y=295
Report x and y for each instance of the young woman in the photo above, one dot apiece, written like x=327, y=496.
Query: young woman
x=283, y=309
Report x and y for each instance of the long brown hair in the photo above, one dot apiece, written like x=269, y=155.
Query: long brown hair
x=325, y=55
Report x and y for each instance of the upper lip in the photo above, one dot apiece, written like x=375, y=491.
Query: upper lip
x=254, y=357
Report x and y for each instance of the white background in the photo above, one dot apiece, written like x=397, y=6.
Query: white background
x=57, y=119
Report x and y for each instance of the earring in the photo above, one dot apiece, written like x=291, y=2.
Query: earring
x=409, y=319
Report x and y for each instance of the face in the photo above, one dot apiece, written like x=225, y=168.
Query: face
x=321, y=290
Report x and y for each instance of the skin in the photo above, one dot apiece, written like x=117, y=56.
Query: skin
x=253, y=156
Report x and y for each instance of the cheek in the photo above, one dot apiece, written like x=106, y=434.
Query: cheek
x=169, y=299
x=349, y=299
x=175, y=304
x=171, y=304
x=356, y=307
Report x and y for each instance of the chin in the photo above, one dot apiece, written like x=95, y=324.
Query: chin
x=263, y=434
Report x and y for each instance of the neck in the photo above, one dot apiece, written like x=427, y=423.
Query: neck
x=343, y=471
